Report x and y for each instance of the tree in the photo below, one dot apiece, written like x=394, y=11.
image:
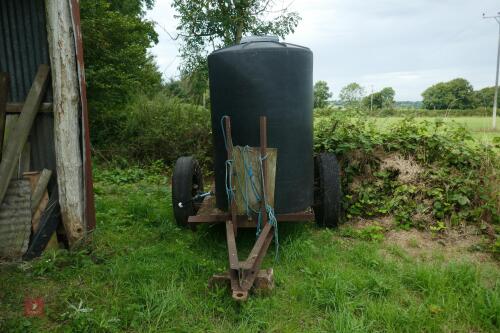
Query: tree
x=351, y=95
x=456, y=94
x=321, y=94
x=116, y=39
x=485, y=97
x=383, y=99
x=206, y=25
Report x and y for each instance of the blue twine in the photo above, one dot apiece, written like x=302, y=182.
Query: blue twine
x=249, y=178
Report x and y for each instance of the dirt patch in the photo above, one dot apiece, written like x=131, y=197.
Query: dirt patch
x=466, y=243
x=387, y=222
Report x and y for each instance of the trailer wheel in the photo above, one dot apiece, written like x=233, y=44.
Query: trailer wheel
x=327, y=191
x=187, y=181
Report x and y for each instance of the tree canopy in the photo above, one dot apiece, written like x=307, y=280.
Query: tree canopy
x=351, y=95
x=116, y=39
x=321, y=94
x=485, y=97
x=383, y=99
x=454, y=94
x=206, y=25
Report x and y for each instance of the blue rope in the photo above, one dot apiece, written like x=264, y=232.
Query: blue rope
x=229, y=185
x=249, y=178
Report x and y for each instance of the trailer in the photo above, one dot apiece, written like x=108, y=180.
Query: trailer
x=265, y=171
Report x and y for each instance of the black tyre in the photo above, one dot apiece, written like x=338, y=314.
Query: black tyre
x=327, y=191
x=187, y=181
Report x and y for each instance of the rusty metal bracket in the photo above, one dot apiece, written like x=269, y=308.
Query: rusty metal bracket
x=242, y=275
x=245, y=275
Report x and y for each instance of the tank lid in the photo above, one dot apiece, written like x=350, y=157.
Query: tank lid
x=252, y=39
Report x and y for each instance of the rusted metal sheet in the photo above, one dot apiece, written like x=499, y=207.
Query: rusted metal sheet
x=15, y=219
x=87, y=163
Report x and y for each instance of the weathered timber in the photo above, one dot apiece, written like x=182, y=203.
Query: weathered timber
x=4, y=93
x=16, y=108
x=66, y=109
x=263, y=284
x=40, y=189
x=243, y=188
x=22, y=128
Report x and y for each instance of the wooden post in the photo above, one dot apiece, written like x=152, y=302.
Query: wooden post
x=4, y=93
x=67, y=130
x=19, y=136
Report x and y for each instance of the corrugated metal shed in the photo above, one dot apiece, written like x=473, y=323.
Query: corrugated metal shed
x=23, y=43
x=23, y=47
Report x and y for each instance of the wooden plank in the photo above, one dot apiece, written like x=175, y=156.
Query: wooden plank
x=251, y=157
x=39, y=202
x=40, y=188
x=16, y=108
x=66, y=95
x=4, y=94
x=22, y=129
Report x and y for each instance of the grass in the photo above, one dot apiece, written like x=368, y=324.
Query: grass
x=143, y=274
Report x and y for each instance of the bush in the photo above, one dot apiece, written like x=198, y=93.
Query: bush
x=395, y=112
x=161, y=128
x=425, y=174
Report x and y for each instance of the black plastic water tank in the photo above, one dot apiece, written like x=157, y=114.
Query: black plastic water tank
x=262, y=76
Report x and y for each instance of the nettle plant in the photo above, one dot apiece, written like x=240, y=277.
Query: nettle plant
x=424, y=174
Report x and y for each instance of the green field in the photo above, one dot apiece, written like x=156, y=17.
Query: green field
x=479, y=126
x=143, y=274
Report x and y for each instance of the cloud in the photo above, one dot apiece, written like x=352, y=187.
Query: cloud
x=407, y=45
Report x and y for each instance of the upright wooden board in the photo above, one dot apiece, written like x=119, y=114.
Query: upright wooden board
x=246, y=161
x=66, y=95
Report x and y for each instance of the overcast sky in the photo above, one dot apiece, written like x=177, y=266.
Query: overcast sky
x=404, y=44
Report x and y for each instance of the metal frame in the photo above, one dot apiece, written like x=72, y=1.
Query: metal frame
x=243, y=274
